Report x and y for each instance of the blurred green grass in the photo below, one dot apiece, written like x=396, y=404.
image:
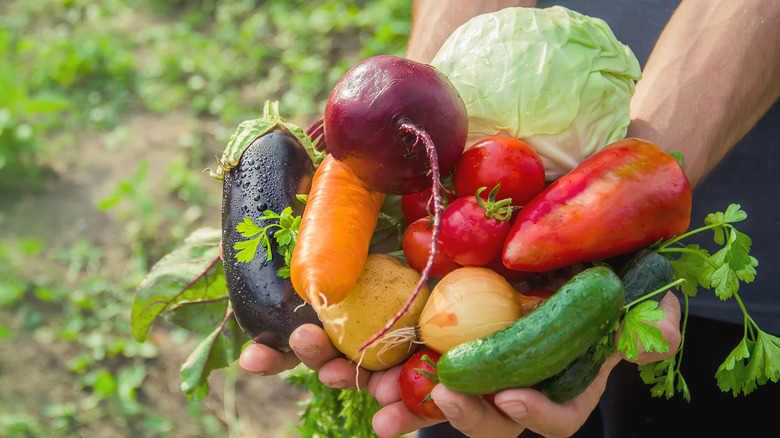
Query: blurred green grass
x=109, y=112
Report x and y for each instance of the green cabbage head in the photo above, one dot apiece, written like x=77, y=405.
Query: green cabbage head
x=552, y=77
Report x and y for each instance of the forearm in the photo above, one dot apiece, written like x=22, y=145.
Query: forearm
x=713, y=73
x=434, y=20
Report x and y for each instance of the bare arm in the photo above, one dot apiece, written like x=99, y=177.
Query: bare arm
x=713, y=73
x=434, y=20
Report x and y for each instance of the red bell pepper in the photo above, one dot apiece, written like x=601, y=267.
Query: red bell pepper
x=627, y=196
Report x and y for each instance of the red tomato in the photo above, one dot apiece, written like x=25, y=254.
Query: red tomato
x=415, y=386
x=469, y=236
x=415, y=206
x=505, y=160
x=416, y=245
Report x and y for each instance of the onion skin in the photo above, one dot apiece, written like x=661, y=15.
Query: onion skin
x=469, y=303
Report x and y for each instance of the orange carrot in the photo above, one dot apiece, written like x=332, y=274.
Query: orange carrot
x=334, y=236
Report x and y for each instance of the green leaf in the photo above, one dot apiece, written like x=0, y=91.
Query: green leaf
x=734, y=213
x=331, y=412
x=190, y=273
x=665, y=378
x=283, y=236
x=725, y=282
x=218, y=350
x=390, y=221
x=249, y=130
x=247, y=249
x=678, y=156
x=750, y=364
x=286, y=228
x=636, y=327
x=693, y=267
x=247, y=228
x=732, y=374
x=200, y=317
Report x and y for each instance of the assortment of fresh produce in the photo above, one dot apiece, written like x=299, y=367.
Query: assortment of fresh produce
x=540, y=344
x=536, y=240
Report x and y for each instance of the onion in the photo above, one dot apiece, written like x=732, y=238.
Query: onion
x=469, y=303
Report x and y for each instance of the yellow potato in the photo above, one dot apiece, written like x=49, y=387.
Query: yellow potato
x=379, y=293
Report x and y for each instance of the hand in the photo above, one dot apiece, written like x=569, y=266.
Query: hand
x=311, y=346
x=525, y=408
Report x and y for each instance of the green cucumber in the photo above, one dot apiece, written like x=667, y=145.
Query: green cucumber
x=645, y=272
x=573, y=380
x=540, y=344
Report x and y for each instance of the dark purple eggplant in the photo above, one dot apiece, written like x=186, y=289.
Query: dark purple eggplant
x=269, y=173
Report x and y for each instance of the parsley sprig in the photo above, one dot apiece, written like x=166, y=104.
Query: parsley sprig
x=755, y=360
x=284, y=230
x=331, y=412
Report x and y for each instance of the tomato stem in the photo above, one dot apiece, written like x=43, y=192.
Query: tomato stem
x=501, y=210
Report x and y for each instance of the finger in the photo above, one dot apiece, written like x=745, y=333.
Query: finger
x=344, y=374
x=263, y=360
x=395, y=420
x=670, y=329
x=383, y=386
x=312, y=346
x=474, y=416
x=545, y=417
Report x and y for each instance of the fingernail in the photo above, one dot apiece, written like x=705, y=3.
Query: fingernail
x=301, y=341
x=450, y=410
x=340, y=385
x=514, y=408
x=307, y=351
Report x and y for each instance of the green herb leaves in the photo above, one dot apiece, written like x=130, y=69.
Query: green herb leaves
x=635, y=326
x=285, y=233
x=330, y=412
x=756, y=359
x=723, y=270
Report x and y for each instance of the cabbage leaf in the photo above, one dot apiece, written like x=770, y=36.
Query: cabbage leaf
x=554, y=78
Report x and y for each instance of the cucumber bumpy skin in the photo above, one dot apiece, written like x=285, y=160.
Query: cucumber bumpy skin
x=540, y=344
x=271, y=171
x=644, y=272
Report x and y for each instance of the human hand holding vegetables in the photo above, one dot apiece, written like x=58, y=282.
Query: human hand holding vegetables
x=525, y=408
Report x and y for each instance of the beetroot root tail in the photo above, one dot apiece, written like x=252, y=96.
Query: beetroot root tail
x=422, y=136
